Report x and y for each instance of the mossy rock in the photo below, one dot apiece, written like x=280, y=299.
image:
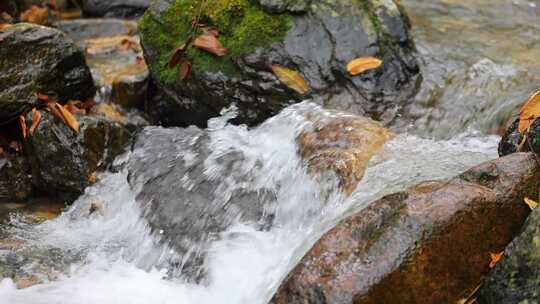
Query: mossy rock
x=35, y=58
x=315, y=38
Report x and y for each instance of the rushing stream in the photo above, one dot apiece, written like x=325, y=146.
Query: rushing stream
x=110, y=255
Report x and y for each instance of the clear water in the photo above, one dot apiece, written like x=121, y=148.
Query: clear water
x=471, y=86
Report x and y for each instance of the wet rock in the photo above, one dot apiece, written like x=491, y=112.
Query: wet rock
x=343, y=147
x=81, y=29
x=63, y=161
x=428, y=244
x=516, y=278
x=130, y=87
x=35, y=58
x=512, y=140
x=15, y=179
x=317, y=43
x=115, y=8
x=186, y=203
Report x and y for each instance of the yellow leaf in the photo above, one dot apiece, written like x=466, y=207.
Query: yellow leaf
x=291, y=79
x=529, y=112
x=362, y=64
x=69, y=119
x=531, y=203
x=495, y=258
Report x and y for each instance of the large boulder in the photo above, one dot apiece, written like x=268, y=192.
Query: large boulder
x=516, y=279
x=64, y=162
x=115, y=8
x=34, y=59
x=315, y=39
x=428, y=244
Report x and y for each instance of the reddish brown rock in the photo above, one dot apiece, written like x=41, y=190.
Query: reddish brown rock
x=428, y=244
x=343, y=146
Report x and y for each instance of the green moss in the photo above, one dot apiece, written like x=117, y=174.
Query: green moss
x=242, y=24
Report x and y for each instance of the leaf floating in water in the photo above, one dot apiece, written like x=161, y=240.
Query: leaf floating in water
x=291, y=79
x=209, y=43
x=22, y=124
x=531, y=203
x=529, y=112
x=180, y=52
x=362, y=64
x=185, y=69
x=36, y=118
x=495, y=258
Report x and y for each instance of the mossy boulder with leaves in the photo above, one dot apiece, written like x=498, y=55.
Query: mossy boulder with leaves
x=315, y=40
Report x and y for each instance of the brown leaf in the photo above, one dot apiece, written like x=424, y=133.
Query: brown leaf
x=36, y=118
x=22, y=124
x=35, y=14
x=210, y=44
x=4, y=26
x=495, y=258
x=185, y=69
x=291, y=79
x=362, y=64
x=43, y=97
x=69, y=119
x=70, y=106
x=529, y=112
x=207, y=30
x=471, y=298
x=180, y=52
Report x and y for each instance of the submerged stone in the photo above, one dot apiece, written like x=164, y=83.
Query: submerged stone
x=34, y=59
x=428, y=244
x=317, y=41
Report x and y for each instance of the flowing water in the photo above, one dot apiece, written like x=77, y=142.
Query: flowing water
x=110, y=256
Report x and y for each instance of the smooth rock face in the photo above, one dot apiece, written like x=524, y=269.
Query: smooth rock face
x=516, y=279
x=115, y=8
x=428, y=244
x=15, y=179
x=35, y=58
x=321, y=39
x=80, y=29
x=342, y=147
x=63, y=161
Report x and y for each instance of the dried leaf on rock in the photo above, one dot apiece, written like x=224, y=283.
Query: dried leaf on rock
x=72, y=108
x=531, y=203
x=64, y=115
x=529, y=112
x=291, y=79
x=36, y=118
x=22, y=124
x=185, y=69
x=471, y=298
x=210, y=44
x=4, y=26
x=362, y=64
x=43, y=97
x=495, y=258
x=35, y=14
x=180, y=52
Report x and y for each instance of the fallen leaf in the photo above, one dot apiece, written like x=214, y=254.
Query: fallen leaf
x=69, y=119
x=43, y=97
x=211, y=44
x=4, y=26
x=180, y=52
x=531, y=203
x=362, y=64
x=22, y=124
x=291, y=79
x=185, y=69
x=36, y=118
x=495, y=258
x=471, y=298
x=210, y=31
x=529, y=112
x=35, y=14
x=92, y=179
x=70, y=106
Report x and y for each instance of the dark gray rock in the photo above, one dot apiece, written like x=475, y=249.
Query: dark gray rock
x=280, y=6
x=512, y=141
x=15, y=179
x=36, y=58
x=516, y=279
x=80, y=29
x=115, y=8
x=318, y=44
x=63, y=162
x=186, y=203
